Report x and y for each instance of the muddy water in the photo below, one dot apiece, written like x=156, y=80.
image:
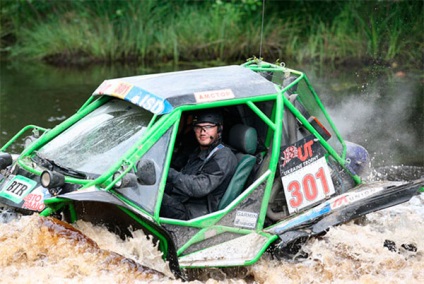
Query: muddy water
x=384, y=113
x=354, y=253
x=36, y=249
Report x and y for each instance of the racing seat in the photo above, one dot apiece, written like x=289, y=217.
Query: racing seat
x=244, y=139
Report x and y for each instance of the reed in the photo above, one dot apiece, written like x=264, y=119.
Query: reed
x=157, y=30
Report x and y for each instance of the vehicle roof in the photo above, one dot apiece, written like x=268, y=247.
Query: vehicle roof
x=160, y=93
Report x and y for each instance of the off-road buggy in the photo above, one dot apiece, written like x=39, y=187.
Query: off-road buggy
x=108, y=164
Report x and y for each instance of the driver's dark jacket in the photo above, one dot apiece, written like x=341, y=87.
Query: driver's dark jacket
x=202, y=182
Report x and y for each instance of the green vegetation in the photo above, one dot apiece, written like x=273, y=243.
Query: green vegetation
x=83, y=31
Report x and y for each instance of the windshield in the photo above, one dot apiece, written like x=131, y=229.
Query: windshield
x=99, y=140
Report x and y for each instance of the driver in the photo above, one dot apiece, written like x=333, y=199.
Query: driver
x=198, y=188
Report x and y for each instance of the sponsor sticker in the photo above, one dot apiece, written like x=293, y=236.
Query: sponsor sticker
x=246, y=219
x=122, y=89
x=148, y=101
x=353, y=197
x=114, y=88
x=215, y=95
x=34, y=202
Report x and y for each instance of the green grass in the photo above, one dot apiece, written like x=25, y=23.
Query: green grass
x=82, y=31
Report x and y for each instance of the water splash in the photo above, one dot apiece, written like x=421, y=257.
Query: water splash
x=46, y=249
x=353, y=253
x=40, y=248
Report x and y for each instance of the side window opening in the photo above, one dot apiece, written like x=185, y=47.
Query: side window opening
x=244, y=132
x=145, y=195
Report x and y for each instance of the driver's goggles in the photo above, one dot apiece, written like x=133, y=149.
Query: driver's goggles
x=206, y=128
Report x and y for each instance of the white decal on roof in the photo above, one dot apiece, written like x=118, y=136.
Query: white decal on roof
x=215, y=95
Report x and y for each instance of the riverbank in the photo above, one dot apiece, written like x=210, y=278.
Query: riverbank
x=85, y=32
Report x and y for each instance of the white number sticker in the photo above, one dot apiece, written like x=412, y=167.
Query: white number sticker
x=308, y=185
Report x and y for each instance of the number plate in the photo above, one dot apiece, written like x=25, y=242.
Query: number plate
x=308, y=185
x=17, y=188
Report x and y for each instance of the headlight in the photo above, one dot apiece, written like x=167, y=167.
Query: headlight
x=51, y=179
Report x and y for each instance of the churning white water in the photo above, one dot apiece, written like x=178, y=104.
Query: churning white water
x=34, y=249
x=353, y=253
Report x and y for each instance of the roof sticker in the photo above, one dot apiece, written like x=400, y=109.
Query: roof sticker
x=135, y=95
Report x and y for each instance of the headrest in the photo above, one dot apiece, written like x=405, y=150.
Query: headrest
x=244, y=138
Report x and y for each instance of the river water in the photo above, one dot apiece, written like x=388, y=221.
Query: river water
x=380, y=108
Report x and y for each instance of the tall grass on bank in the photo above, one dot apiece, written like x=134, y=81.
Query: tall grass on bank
x=83, y=31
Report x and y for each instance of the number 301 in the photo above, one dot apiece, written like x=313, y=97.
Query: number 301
x=307, y=188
